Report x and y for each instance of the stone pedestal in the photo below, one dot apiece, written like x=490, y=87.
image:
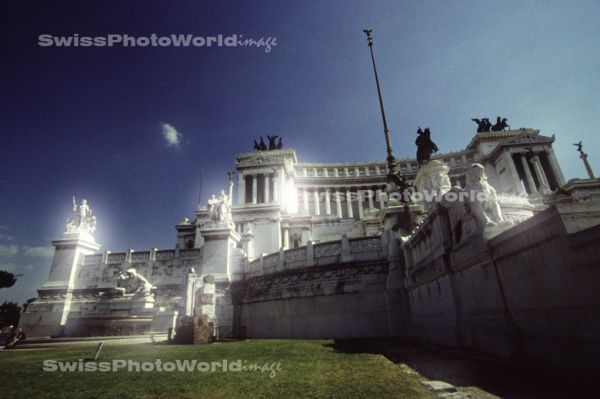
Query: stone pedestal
x=204, y=316
x=222, y=259
x=515, y=208
x=47, y=315
x=220, y=240
x=127, y=315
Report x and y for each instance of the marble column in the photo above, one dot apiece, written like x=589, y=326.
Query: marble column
x=587, y=165
x=381, y=199
x=338, y=204
x=539, y=172
x=316, y=200
x=512, y=170
x=305, y=199
x=254, y=189
x=267, y=189
x=555, y=166
x=241, y=189
x=530, y=181
x=275, y=188
x=280, y=185
x=371, y=193
x=360, y=198
x=286, y=238
x=327, y=202
x=349, y=203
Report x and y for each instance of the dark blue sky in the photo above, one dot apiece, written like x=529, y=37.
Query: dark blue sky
x=87, y=121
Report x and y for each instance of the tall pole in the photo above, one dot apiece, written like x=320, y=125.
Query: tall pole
x=391, y=160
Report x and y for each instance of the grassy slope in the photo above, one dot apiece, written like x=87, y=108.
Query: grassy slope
x=309, y=369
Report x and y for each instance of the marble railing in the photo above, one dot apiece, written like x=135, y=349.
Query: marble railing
x=116, y=257
x=93, y=259
x=190, y=253
x=320, y=254
x=165, y=254
x=141, y=257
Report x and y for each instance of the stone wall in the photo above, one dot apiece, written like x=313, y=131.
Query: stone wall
x=328, y=290
x=528, y=293
x=165, y=269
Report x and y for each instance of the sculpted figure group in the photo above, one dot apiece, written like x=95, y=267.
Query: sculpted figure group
x=273, y=143
x=481, y=208
x=219, y=208
x=484, y=125
x=81, y=220
x=131, y=284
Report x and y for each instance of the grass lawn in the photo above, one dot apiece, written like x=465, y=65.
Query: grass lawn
x=309, y=369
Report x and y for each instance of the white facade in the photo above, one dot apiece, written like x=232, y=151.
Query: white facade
x=281, y=204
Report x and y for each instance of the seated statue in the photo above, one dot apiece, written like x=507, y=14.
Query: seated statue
x=473, y=208
x=483, y=201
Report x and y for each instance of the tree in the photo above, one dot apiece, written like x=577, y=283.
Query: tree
x=7, y=279
x=9, y=314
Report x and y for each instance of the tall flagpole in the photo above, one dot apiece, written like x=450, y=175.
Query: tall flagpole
x=391, y=160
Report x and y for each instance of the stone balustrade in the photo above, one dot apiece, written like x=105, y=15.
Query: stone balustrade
x=190, y=253
x=116, y=257
x=140, y=256
x=165, y=254
x=131, y=256
x=346, y=250
x=93, y=259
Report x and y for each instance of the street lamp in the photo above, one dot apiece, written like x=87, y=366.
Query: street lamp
x=391, y=160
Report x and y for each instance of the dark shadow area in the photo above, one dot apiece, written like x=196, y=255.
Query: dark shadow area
x=495, y=376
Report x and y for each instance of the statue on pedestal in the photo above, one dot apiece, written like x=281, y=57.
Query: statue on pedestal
x=81, y=221
x=583, y=157
x=219, y=208
x=425, y=147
